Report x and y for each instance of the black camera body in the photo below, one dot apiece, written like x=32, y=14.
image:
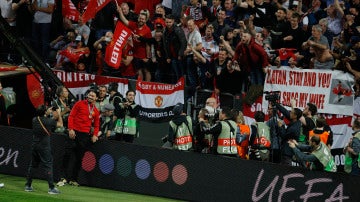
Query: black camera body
x=273, y=96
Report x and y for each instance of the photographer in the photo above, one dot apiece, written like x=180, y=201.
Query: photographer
x=260, y=142
x=180, y=135
x=115, y=98
x=62, y=102
x=106, y=121
x=320, y=157
x=42, y=125
x=103, y=97
x=275, y=152
x=292, y=131
x=224, y=133
x=126, y=125
x=203, y=142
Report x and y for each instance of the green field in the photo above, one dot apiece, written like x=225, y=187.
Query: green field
x=14, y=191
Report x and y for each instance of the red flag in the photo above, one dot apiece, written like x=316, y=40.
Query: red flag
x=74, y=54
x=113, y=51
x=285, y=53
x=92, y=8
x=35, y=90
x=69, y=11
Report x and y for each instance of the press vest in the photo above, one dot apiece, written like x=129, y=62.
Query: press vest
x=323, y=154
x=127, y=125
x=263, y=136
x=349, y=159
x=226, y=139
x=183, y=136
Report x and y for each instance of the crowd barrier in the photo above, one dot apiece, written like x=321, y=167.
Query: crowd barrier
x=182, y=175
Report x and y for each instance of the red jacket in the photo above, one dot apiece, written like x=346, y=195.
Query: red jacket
x=79, y=118
x=251, y=56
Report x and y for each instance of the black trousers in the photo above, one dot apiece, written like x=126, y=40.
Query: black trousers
x=68, y=157
x=41, y=155
x=82, y=144
x=124, y=137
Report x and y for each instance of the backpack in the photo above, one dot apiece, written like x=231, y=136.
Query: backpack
x=263, y=136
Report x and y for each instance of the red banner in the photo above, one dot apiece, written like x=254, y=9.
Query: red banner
x=92, y=8
x=35, y=90
x=74, y=54
x=114, y=48
x=285, y=53
x=69, y=11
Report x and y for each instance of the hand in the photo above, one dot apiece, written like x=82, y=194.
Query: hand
x=72, y=134
x=108, y=133
x=293, y=102
x=58, y=111
x=288, y=38
x=250, y=3
x=67, y=109
x=266, y=70
x=136, y=37
x=94, y=139
x=291, y=144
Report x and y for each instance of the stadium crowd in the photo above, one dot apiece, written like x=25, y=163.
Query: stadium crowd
x=223, y=45
x=209, y=42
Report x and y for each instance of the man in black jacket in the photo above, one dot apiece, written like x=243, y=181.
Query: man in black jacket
x=174, y=42
x=291, y=132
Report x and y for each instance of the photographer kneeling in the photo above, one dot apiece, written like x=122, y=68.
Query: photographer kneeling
x=320, y=157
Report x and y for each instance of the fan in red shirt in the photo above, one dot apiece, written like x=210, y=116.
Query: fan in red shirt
x=83, y=116
x=126, y=67
x=142, y=51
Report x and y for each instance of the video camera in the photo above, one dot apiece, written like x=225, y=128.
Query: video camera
x=272, y=96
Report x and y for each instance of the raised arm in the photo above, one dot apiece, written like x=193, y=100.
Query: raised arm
x=121, y=15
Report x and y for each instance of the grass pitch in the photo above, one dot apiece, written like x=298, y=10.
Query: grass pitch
x=14, y=191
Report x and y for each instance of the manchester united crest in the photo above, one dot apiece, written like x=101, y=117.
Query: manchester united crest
x=158, y=101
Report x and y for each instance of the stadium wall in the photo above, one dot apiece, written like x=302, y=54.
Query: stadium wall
x=182, y=175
